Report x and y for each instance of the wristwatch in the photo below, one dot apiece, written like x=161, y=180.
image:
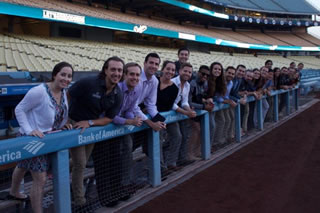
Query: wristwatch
x=90, y=122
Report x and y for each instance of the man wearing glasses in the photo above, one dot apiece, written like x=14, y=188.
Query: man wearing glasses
x=197, y=100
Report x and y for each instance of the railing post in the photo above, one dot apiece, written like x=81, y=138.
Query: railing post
x=154, y=155
x=296, y=98
x=287, y=102
x=61, y=181
x=205, y=137
x=276, y=108
x=259, y=114
x=237, y=123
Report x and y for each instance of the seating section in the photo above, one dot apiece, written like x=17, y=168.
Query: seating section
x=289, y=38
x=294, y=6
x=254, y=37
x=32, y=53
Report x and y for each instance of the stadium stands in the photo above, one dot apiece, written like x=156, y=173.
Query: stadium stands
x=32, y=53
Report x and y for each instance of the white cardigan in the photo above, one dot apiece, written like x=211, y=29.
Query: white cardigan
x=36, y=112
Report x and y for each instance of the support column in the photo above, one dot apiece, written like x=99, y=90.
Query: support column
x=205, y=137
x=259, y=114
x=296, y=98
x=154, y=155
x=288, y=103
x=237, y=122
x=61, y=182
x=276, y=108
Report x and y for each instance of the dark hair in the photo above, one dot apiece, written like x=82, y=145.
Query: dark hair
x=165, y=63
x=275, y=69
x=293, y=63
x=58, y=67
x=153, y=55
x=130, y=64
x=183, y=65
x=102, y=73
x=230, y=67
x=301, y=64
x=240, y=65
x=267, y=61
x=204, y=67
x=218, y=84
x=182, y=49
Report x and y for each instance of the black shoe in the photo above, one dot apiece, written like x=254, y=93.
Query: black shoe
x=110, y=204
x=185, y=162
x=125, y=197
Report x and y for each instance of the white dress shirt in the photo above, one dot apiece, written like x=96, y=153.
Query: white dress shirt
x=183, y=94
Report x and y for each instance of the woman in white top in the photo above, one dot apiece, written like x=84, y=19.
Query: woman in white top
x=44, y=108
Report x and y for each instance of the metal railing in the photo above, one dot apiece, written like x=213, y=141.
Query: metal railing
x=16, y=149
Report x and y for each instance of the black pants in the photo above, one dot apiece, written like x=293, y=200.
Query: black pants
x=282, y=101
x=108, y=171
x=251, y=113
x=141, y=139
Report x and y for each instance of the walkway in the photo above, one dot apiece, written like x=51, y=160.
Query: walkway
x=277, y=173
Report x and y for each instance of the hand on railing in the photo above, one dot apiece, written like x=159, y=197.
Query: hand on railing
x=82, y=125
x=37, y=133
x=208, y=104
x=137, y=121
x=67, y=126
x=191, y=113
x=243, y=100
x=156, y=126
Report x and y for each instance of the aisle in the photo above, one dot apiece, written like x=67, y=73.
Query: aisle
x=278, y=173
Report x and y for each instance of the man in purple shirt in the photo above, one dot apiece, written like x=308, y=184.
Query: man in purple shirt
x=129, y=114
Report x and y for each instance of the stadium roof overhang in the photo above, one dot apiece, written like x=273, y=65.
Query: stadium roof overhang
x=49, y=15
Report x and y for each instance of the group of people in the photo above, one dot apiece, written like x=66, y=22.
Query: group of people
x=125, y=94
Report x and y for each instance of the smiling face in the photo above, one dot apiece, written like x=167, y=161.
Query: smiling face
x=264, y=72
x=300, y=66
x=168, y=71
x=270, y=75
x=284, y=71
x=248, y=76
x=216, y=70
x=269, y=64
x=63, y=78
x=183, y=56
x=185, y=73
x=292, y=65
x=241, y=71
x=132, y=76
x=256, y=74
x=229, y=74
x=113, y=72
x=203, y=75
x=151, y=66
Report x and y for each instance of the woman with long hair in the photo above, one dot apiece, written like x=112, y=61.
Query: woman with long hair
x=216, y=86
x=44, y=108
x=256, y=81
x=170, y=137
